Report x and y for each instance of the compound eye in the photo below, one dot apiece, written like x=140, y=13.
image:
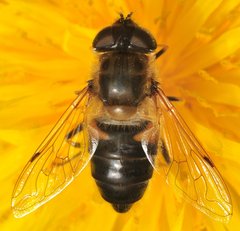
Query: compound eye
x=104, y=39
x=143, y=40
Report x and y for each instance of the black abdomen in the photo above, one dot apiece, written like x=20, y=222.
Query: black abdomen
x=120, y=166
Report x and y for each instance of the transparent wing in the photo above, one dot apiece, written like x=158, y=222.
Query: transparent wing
x=186, y=164
x=58, y=160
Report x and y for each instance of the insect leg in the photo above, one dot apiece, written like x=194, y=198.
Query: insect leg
x=173, y=98
x=163, y=50
x=68, y=137
x=72, y=133
x=164, y=152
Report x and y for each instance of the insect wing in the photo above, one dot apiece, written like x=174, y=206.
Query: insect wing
x=58, y=160
x=186, y=164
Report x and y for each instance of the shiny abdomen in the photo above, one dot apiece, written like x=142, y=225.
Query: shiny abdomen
x=120, y=166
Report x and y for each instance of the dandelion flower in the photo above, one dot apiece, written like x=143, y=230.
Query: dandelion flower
x=45, y=55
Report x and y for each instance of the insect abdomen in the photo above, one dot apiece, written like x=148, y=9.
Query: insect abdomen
x=121, y=168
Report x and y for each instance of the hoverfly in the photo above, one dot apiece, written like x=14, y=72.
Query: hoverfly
x=124, y=123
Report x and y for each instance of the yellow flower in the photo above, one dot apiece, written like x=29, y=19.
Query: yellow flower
x=46, y=55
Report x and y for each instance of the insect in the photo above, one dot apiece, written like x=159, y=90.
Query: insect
x=124, y=124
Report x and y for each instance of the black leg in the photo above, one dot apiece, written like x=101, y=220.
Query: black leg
x=72, y=133
x=164, y=152
x=68, y=137
x=162, y=51
x=173, y=98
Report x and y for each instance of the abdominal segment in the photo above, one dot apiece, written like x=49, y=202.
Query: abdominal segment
x=119, y=166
